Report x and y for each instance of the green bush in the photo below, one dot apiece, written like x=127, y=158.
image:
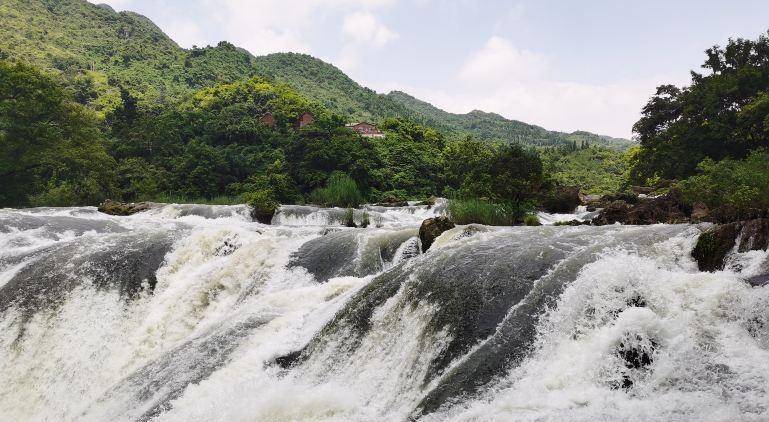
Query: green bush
x=263, y=204
x=741, y=184
x=349, y=218
x=340, y=191
x=365, y=220
x=531, y=220
x=466, y=211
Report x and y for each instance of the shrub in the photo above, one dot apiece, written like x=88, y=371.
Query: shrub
x=340, y=191
x=466, y=211
x=365, y=221
x=531, y=220
x=263, y=204
x=741, y=184
x=349, y=218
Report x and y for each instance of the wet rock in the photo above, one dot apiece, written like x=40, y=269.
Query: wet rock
x=429, y=202
x=616, y=211
x=668, y=209
x=635, y=357
x=642, y=190
x=123, y=208
x=754, y=235
x=431, y=229
x=712, y=247
x=262, y=216
x=392, y=201
x=715, y=244
x=562, y=199
x=730, y=214
x=700, y=212
x=288, y=360
x=759, y=280
x=629, y=197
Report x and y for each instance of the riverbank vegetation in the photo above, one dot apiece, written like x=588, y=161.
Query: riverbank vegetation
x=213, y=144
x=711, y=135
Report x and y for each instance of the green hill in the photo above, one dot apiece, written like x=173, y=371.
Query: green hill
x=493, y=126
x=102, y=50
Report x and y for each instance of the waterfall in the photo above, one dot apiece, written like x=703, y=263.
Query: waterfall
x=194, y=312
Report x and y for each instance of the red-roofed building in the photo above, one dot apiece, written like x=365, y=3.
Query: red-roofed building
x=366, y=129
x=305, y=119
x=268, y=119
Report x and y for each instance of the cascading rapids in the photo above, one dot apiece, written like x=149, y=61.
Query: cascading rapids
x=192, y=312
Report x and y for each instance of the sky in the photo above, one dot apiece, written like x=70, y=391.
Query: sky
x=562, y=64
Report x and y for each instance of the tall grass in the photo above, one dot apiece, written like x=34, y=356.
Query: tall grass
x=466, y=211
x=340, y=191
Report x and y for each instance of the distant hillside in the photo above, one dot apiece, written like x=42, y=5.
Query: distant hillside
x=493, y=126
x=128, y=50
x=116, y=49
x=326, y=84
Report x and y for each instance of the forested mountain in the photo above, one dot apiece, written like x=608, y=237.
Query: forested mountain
x=102, y=51
x=493, y=126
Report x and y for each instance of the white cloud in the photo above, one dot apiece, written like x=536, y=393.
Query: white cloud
x=185, y=33
x=268, y=26
x=520, y=85
x=364, y=28
x=499, y=61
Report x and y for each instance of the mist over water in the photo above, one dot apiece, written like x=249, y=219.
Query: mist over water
x=196, y=313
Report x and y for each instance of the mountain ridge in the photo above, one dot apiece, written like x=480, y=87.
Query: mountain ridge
x=128, y=49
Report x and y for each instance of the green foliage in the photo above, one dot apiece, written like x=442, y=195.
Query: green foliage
x=490, y=126
x=262, y=201
x=51, y=146
x=531, y=220
x=741, y=184
x=410, y=156
x=365, y=220
x=595, y=170
x=512, y=175
x=349, y=218
x=340, y=191
x=467, y=211
x=128, y=114
x=722, y=114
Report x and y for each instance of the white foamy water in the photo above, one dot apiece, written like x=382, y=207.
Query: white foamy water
x=196, y=313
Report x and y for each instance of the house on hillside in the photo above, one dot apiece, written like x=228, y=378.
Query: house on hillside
x=366, y=129
x=304, y=119
x=268, y=119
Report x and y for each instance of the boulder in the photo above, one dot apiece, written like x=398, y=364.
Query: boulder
x=429, y=202
x=667, y=209
x=392, y=201
x=729, y=214
x=431, y=229
x=714, y=245
x=562, y=199
x=642, y=190
x=262, y=215
x=123, y=208
x=700, y=212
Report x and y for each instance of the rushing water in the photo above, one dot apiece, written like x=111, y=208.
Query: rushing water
x=196, y=313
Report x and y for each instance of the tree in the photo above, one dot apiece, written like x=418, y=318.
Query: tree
x=719, y=115
x=48, y=143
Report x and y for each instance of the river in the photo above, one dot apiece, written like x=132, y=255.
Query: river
x=196, y=313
